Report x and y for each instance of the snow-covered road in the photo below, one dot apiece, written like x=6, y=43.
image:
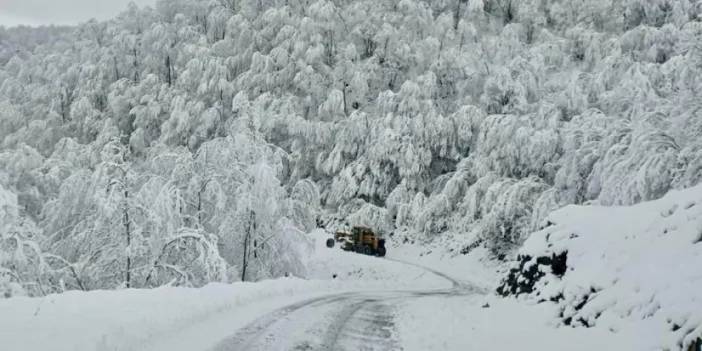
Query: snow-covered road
x=345, y=302
x=348, y=321
x=353, y=321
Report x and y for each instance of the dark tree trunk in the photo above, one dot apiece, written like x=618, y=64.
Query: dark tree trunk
x=128, y=233
x=346, y=110
x=169, y=77
x=199, y=207
x=457, y=14
x=136, y=65
x=116, y=68
x=247, y=238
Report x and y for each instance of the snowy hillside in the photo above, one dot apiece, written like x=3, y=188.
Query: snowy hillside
x=22, y=41
x=631, y=270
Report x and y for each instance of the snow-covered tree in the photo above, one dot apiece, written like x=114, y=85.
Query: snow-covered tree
x=22, y=266
x=244, y=119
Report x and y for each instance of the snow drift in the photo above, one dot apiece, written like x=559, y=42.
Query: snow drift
x=625, y=269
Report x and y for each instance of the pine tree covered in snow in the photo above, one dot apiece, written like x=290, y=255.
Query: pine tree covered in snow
x=195, y=141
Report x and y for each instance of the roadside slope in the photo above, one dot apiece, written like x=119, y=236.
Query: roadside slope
x=631, y=270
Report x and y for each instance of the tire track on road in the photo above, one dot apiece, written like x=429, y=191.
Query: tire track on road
x=349, y=321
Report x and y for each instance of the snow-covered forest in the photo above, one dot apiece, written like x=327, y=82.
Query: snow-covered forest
x=200, y=140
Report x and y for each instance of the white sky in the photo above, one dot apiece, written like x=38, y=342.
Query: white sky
x=37, y=12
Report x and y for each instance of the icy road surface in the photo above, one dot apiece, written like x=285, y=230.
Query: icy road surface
x=346, y=321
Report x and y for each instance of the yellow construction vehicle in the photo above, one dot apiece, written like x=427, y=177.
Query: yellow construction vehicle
x=361, y=240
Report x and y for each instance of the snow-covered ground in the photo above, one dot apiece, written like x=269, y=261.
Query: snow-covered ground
x=635, y=271
x=368, y=272
x=186, y=319
x=490, y=323
x=131, y=319
x=474, y=268
x=636, y=267
x=633, y=282
x=483, y=321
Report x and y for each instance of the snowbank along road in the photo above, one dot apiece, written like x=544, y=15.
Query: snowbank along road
x=345, y=321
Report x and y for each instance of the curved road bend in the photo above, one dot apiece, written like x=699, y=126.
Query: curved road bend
x=338, y=322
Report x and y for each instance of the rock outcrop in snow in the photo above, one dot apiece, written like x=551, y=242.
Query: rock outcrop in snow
x=628, y=269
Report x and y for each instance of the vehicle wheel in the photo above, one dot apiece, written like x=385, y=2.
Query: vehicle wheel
x=381, y=252
x=330, y=243
x=368, y=250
